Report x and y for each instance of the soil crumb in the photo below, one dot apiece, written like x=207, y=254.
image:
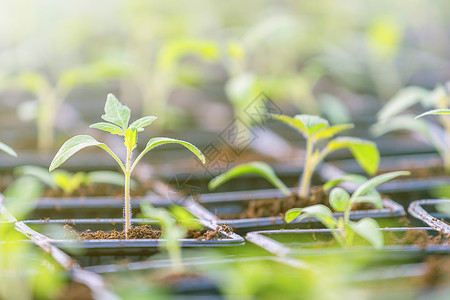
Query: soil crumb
x=75, y=291
x=147, y=232
x=437, y=273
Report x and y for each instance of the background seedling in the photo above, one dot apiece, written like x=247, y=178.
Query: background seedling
x=343, y=229
x=313, y=129
x=117, y=117
x=174, y=225
x=70, y=182
x=394, y=116
x=7, y=149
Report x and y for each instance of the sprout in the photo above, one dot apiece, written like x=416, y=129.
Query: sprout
x=117, y=117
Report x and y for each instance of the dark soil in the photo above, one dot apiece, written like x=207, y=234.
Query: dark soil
x=417, y=237
x=147, y=232
x=275, y=207
x=438, y=272
x=75, y=291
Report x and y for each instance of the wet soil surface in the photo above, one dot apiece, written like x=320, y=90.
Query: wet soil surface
x=147, y=232
x=277, y=207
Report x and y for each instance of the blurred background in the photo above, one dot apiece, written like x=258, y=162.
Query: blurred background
x=197, y=65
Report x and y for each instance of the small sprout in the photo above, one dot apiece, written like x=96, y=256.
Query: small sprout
x=8, y=150
x=118, y=116
x=343, y=229
x=174, y=225
x=313, y=129
x=70, y=182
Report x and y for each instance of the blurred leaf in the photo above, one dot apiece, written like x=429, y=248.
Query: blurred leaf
x=185, y=218
x=334, y=109
x=34, y=82
x=8, y=150
x=385, y=35
x=39, y=173
x=353, y=178
x=339, y=199
x=331, y=131
x=21, y=196
x=404, y=99
x=365, y=152
x=318, y=211
x=368, y=229
x=434, y=112
x=109, y=177
x=258, y=168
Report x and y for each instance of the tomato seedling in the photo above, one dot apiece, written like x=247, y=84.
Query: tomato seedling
x=313, y=129
x=342, y=229
x=117, y=117
x=394, y=116
x=70, y=182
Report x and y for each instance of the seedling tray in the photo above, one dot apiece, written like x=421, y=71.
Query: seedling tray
x=89, y=252
x=425, y=211
x=234, y=202
x=303, y=243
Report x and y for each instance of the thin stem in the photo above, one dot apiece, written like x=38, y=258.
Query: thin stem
x=308, y=170
x=127, y=195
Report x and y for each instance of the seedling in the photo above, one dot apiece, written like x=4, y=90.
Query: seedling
x=51, y=95
x=7, y=149
x=70, y=182
x=342, y=228
x=117, y=117
x=313, y=129
x=174, y=225
x=394, y=117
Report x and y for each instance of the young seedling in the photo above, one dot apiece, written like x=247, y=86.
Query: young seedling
x=343, y=229
x=314, y=129
x=7, y=149
x=117, y=117
x=49, y=96
x=174, y=225
x=394, y=116
x=70, y=182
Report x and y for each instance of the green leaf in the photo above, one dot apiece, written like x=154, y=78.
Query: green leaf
x=339, y=199
x=75, y=144
x=434, y=112
x=375, y=199
x=331, y=131
x=142, y=122
x=131, y=138
x=114, y=129
x=34, y=83
x=258, y=168
x=116, y=113
x=8, y=150
x=365, y=152
x=372, y=183
x=318, y=211
x=353, y=178
x=306, y=124
x=158, y=141
x=368, y=229
x=403, y=100
x=41, y=174
x=185, y=218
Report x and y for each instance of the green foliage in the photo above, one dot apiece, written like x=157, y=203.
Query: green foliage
x=8, y=150
x=119, y=115
x=343, y=229
x=174, y=225
x=394, y=116
x=258, y=168
x=70, y=182
x=314, y=129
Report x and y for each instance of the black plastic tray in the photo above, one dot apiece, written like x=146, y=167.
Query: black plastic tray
x=299, y=243
x=424, y=210
x=232, y=202
x=89, y=252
